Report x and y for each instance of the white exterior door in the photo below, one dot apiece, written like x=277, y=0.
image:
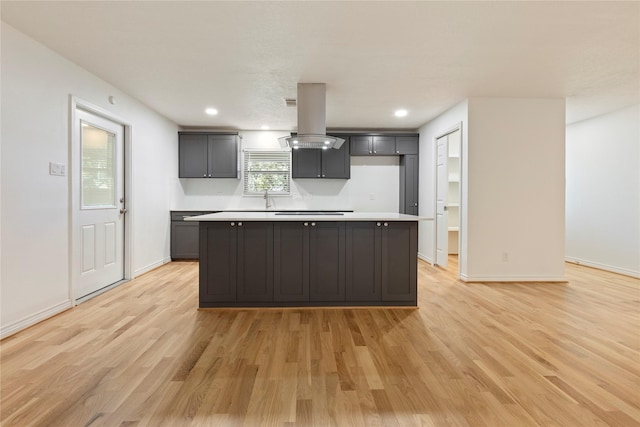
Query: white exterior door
x=100, y=212
x=442, y=189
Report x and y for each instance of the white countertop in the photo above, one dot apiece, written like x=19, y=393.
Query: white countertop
x=271, y=216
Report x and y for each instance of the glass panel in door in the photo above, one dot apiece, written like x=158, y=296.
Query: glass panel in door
x=98, y=168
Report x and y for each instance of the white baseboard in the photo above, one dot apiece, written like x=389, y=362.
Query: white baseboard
x=466, y=278
x=425, y=258
x=150, y=267
x=605, y=267
x=34, y=318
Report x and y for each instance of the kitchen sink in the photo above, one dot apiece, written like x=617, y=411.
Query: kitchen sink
x=309, y=213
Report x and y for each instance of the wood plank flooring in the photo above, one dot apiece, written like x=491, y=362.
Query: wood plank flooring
x=516, y=354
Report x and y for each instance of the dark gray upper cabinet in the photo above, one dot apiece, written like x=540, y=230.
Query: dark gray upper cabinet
x=204, y=155
x=383, y=145
x=223, y=156
x=406, y=145
x=361, y=145
x=409, y=184
x=193, y=156
x=330, y=163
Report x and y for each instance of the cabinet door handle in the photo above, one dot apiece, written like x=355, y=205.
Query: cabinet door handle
x=313, y=224
x=397, y=151
x=370, y=152
x=323, y=175
x=209, y=175
x=306, y=224
x=378, y=224
x=415, y=204
x=239, y=224
x=233, y=224
x=205, y=175
x=386, y=224
x=374, y=151
x=318, y=176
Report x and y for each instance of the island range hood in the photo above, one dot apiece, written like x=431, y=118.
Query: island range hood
x=312, y=126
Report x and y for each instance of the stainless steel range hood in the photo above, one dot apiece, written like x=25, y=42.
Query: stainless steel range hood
x=312, y=126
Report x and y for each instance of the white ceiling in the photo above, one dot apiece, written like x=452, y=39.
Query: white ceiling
x=244, y=58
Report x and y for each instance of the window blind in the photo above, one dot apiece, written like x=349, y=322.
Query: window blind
x=267, y=171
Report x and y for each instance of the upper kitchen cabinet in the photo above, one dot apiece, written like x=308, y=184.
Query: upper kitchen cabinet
x=318, y=163
x=380, y=145
x=406, y=145
x=208, y=155
x=383, y=145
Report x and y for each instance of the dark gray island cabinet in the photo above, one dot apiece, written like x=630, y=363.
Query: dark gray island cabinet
x=308, y=263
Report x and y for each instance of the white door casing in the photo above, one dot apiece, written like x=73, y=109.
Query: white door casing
x=98, y=203
x=442, y=189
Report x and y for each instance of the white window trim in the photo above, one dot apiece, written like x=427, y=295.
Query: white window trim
x=275, y=152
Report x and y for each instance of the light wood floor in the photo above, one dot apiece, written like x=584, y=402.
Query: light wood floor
x=552, y=354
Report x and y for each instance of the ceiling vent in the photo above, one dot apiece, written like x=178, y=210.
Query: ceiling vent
x=312, y=127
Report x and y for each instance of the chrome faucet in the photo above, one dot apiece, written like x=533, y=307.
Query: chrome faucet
x=267, y=202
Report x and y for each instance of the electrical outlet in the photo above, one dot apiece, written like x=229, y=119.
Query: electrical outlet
x=505, y=256
x=57, y=169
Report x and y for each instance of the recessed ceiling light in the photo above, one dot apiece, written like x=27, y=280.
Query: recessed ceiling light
x=211, y=111
x=264, y=127
x=325, y=148
x=401, y=113
x=295, y=141
x=327, y=143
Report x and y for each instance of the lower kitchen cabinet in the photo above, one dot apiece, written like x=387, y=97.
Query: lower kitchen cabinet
x=363, y=261
x=302, y=263
x=218, y=262
x=236, y=262
x=309, y=261
x=327, y=261
x=291, y=261
x=381, y=261
x=399, y=261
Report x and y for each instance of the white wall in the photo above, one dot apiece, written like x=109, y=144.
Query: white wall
x=515, y=182
x=603, y=191
x=428, y=133
x=36, y=85
x=373, y=186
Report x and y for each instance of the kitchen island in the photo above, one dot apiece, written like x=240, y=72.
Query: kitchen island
x=279, y=259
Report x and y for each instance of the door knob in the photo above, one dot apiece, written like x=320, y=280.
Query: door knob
x=445, y=209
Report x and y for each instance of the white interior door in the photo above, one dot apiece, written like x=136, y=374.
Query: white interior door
x=442, y=189
x=99, y=183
